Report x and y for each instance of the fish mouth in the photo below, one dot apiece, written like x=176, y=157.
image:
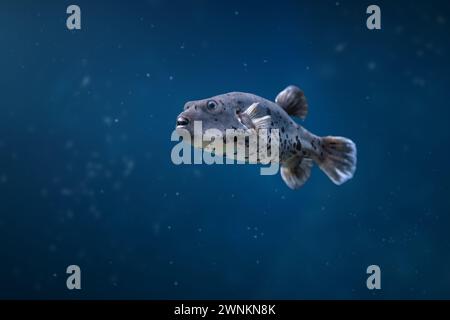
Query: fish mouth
x=182, y=122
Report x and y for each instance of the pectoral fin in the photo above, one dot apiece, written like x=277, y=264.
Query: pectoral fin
x=245, y=120
x=258, y=116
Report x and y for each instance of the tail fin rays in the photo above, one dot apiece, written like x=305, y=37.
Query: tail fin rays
x=339, y=159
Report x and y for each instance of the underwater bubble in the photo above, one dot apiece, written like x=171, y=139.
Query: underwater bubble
x=340, y=47
x=440, y=20
x=69, y=144
x=108, y=121
x=418, y=81
x=70, y=214
x=85, y=81
x=66, y=192
x=371, y=65
x=156, y=228
x=129, y=166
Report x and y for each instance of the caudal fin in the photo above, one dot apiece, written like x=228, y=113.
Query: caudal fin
x=339, y=159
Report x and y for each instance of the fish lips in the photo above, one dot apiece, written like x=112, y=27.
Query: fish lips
x=183, y=124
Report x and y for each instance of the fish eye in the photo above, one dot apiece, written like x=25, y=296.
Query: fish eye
x=211, y=105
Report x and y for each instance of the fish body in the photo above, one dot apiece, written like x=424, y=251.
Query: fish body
x=298, y=150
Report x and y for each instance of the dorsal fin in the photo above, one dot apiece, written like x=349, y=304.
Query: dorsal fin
x=293, y=101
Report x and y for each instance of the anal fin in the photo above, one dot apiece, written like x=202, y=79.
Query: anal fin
x=296, y=171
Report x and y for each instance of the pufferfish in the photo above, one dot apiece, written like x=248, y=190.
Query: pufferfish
x=299, y=149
